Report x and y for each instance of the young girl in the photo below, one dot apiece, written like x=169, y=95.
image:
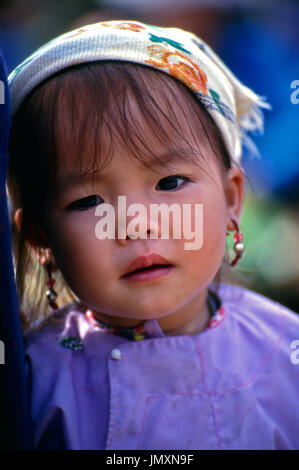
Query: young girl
x=142, y=346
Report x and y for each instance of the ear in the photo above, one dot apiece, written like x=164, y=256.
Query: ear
x=35, y=235
x=38, y=240
x=234, y=195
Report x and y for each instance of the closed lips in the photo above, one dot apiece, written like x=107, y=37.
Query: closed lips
x=148, y=268
x=147, y=262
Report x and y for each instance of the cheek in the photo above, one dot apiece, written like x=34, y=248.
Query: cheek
x=203, y=264
x=77, y=249
x=214, y=227
x=204, y=215
x=71, y=234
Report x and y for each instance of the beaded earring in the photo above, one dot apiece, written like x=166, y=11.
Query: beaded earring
x=238, y=245
x=51, y=293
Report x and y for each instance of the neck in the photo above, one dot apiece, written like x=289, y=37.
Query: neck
x=187, y=323
x=190, y=319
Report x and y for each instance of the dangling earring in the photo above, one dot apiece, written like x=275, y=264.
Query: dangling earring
x=51, y=293
x=238, y=245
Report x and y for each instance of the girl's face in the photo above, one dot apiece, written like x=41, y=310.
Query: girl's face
x=95, y=268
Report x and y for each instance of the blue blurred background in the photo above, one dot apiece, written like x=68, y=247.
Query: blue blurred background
x=259, y=41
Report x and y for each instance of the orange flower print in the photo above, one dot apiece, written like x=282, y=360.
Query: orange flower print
x=129, y=26
x=125, y=25
x=77, y=32
x=84, y=29
x=180, y=67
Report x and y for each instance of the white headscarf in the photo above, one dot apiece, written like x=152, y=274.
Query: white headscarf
x=234, y=107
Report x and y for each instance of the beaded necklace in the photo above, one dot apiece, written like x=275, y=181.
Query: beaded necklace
x=139, y=332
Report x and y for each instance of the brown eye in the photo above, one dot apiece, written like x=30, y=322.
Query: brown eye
x=171, y=183
x=85, y=203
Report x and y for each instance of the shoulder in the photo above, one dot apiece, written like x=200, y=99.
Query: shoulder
x=64, y=321
x=66, y=361
x=249, y=363
x=246, y=305
x=64, y=341
x=258, y=328
x=44, y=343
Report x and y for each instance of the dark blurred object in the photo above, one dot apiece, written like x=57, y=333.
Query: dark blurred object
x=25, y=26
x=14, y=409
x=266, y=60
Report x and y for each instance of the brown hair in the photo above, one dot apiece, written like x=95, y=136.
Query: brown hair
x=101, y=89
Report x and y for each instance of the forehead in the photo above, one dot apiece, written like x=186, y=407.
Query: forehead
x=138, y=109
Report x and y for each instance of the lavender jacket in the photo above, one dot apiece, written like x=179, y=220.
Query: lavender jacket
x=233, y=386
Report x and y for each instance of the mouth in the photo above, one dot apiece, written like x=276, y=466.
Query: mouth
x=147, y=268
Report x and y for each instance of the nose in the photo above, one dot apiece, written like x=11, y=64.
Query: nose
x=134, y=221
